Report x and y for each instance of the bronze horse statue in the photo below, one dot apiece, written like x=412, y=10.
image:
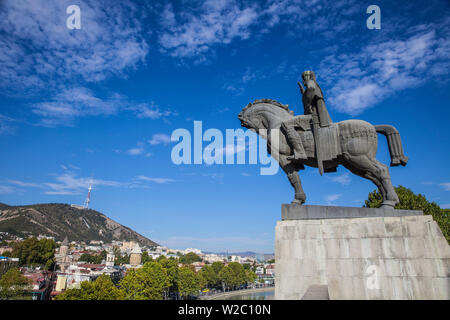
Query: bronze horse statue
x=356, y=140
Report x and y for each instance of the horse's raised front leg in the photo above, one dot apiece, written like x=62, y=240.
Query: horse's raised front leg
x=294, y=179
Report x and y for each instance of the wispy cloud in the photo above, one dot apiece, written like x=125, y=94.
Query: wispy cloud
x=159, y=138
x=156, y=180
x=445, y=185
x=333, y=197
x=109, y=42
x=75, y=102
x=25, y=184
x=69, y=183
x=151, y=111
x=192, y=33
x=6, y=189
x=342, y=179
x=362, y=79
x=5, y=125
x=135, y=151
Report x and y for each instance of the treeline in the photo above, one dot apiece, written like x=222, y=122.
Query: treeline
x=33, y=252
x=162, y=279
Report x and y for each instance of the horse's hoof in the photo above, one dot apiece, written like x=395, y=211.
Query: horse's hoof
x=295, y=201
x=388, y=205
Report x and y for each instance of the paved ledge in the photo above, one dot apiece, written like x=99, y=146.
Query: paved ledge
x=306, y=212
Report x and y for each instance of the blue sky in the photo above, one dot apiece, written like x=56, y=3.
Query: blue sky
x=99, y=104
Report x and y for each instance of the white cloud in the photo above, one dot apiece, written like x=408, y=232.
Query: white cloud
x=151, y=111
x=195, y=30
x=159, y=138
x=189, y=34
x=72, y=103
x=6, y=189
x=69, y=183
x=5, y=125
x=135, y=151
x=445, y=185
x=332, y=197
x=157, y=180
x=38, y=51
x=342, y=179
x=25, y=184
x=362, y=79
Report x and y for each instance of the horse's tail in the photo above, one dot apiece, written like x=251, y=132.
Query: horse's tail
x=394, y=144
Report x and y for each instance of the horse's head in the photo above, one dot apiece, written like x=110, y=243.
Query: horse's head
x=261, y=114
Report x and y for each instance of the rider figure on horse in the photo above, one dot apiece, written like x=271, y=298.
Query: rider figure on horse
x=314, y=108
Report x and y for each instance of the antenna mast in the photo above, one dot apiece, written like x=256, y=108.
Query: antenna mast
x=88, y=198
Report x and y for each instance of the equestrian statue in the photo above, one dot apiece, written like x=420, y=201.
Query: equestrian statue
x=313, y=139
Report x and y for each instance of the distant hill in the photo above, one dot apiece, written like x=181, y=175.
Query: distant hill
x=61, y=220
x=4, y=206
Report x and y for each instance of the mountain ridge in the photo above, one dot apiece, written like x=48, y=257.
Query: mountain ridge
x=60, y=220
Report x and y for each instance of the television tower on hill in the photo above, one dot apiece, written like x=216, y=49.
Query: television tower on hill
x=88, y=198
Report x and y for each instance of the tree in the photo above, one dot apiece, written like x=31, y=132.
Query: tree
x=411, y=201
x=13, y=285
x=171, y=268
x=121, y=259
x=250, y=276
x=145, y=257
x=208, y=277
x=188, y=282
x=189, y=258
x=226, y=277
x=101, y=289
x=34, y=252
x=239, y=276
x=146, y=283
x=90, y=258
x=217, y=267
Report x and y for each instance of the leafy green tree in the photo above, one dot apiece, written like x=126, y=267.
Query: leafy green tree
x=411, y=201
x=90, y=258
x=101, y=289
x=208, y=277
x=171, y=268
x=189, y=258
x=188, y=282
x=146, y=283
x=216, y=267
x=13, y=285
x=250, y=276
x=34, y=252
x=226, y=277
x=145, y=257
x=121, y=259
x=239, y=275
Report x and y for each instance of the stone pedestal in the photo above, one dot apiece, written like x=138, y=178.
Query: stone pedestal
x=360, y=253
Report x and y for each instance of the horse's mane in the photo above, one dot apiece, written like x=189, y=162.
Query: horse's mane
x=270, y=101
